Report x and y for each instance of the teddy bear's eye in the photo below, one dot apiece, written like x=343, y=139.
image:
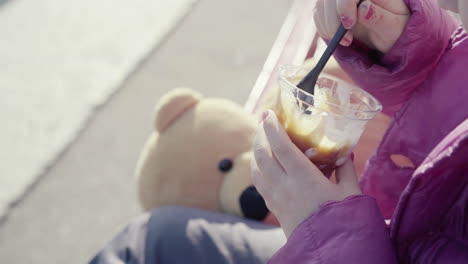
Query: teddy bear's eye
x=225, y=165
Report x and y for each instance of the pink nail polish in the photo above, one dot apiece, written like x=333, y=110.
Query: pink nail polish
x=347, y=21
x=345, y=41
x=264, y=115
x=352, y=156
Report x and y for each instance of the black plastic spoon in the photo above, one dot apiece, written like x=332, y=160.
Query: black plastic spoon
x=308, y=82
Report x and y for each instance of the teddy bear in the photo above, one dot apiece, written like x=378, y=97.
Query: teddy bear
x=199, y=156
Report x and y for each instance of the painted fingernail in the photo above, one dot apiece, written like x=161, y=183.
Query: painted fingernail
x=352, y=156
x=347, y=21
x=346, y=41
x=264, y=115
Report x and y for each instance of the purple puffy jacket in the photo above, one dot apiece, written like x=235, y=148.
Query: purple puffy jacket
x=423, y=84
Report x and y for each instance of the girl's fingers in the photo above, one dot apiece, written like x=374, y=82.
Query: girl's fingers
x=288, y=155
x=333, y=22
x=347, y=12
x=265, y=161
x=319, y=19
x=346, y=176
x=258, y=180
x=327, y=21
x=347, y=39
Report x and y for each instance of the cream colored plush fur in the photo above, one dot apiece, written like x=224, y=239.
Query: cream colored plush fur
x=179, y=163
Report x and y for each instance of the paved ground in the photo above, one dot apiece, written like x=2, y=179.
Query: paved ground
x=89, y=194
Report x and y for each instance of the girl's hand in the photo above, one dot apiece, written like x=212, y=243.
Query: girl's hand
x=291, y=185
x=378, y=23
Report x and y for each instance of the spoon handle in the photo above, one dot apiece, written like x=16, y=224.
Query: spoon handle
x=308, y=82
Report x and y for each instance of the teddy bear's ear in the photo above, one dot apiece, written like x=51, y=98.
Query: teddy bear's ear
x=172, y=105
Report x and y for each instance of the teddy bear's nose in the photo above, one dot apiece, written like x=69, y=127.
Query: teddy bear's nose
x=252, y=204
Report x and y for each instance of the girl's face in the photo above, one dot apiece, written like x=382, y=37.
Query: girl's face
x=457, y=6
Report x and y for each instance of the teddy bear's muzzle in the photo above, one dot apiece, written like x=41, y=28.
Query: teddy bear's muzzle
x=252, y=204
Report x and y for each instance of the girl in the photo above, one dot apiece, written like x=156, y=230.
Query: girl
x=414, y=59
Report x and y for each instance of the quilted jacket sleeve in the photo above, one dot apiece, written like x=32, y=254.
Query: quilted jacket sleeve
x=348, y=231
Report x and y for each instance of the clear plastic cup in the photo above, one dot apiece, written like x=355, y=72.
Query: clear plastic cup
x=327, y=125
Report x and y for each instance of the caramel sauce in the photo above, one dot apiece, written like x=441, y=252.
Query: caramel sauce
x=324, y=158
